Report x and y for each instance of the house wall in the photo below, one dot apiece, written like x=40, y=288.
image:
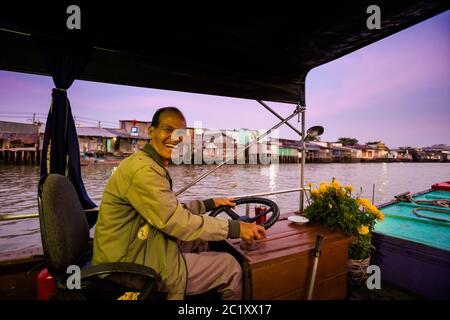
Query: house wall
x=142, y=127
x=88, y=144
x=291, y=152
x=126, y=146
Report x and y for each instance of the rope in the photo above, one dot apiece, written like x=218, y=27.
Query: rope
x=439, y=203
x=444, y=203
x=431, y=209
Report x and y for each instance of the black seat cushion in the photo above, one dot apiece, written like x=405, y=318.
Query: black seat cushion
x=64, y=227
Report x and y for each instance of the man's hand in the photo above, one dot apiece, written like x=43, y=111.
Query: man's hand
x=224, y=202
x=251, y=231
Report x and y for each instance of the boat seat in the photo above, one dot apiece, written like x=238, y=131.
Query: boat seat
x=65, y=241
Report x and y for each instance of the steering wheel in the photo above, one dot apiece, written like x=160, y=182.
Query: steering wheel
x=273, y=207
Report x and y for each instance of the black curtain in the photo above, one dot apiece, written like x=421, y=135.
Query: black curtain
x=65, y=61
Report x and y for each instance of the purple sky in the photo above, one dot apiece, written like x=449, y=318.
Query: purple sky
x=396, y=90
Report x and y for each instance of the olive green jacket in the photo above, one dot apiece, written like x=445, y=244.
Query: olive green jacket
x=140, y=220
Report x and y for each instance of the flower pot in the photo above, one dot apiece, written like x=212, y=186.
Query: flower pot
x=357, y=270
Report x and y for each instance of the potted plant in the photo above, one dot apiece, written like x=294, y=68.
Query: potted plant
x=337, y=208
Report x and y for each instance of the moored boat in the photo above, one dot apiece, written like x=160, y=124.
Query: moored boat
x=441, y=186
x=412, y=244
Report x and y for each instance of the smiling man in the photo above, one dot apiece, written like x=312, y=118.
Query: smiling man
x=141, y=221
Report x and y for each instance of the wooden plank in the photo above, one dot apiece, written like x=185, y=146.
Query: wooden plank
x=330, y=289
x=283, y=276
x=280, y=267
x=286, y=238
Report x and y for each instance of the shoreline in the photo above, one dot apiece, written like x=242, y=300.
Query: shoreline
x=110, y=162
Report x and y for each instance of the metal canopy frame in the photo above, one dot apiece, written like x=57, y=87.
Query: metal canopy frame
x=248, y=145
x=300, y=111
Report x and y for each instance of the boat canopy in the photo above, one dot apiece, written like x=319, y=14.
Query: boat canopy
x=264, y=54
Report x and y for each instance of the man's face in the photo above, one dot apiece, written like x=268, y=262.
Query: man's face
x=161, y=141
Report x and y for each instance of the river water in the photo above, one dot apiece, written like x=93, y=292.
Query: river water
x=18, y=187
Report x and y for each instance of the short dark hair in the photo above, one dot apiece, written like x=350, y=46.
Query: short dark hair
x=155, y=120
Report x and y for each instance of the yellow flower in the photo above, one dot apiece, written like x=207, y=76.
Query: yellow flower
x=323, y=187
x=333, y=183
x=349, y=188
x=309, y=184
x=336, y=184
x=364, y=202
x=314, y=192
x=380, y=216
x=363, y=230
x=330, y=205
x=372, y=209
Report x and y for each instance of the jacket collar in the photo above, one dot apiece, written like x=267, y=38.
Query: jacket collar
x=155, y=156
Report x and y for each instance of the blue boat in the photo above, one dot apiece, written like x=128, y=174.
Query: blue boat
x=412, y=244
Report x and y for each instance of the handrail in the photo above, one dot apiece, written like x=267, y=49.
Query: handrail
x=9, y=217
x=268, y=193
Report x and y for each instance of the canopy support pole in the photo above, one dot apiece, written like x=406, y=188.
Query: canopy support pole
x=278, y=116
x=301, y=111
x=303, y=154
x=302, y=104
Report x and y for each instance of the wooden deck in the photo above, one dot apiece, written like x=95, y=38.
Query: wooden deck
x=17, y=156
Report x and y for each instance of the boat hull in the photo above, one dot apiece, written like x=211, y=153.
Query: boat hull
x=417, y=268
x=413, y=252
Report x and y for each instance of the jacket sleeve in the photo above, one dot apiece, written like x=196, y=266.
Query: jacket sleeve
x=149, y=193
x=199, y=206
x=203, y=206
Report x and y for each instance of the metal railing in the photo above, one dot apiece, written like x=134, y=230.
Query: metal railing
x=9, y=217
x=268, y=193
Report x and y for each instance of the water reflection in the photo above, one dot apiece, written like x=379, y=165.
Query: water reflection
x=18, y=186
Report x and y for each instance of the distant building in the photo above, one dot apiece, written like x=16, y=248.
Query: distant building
x=289, y=150
x=340, y=153
x=18, y=135
x=19, y=140
x=218, y=146
x=404, y=154
x=366, y=152
x=445, y=156
x=94, y=140
x=437, y=147
x=136, y=128
x=19, y=143
x=393, y=155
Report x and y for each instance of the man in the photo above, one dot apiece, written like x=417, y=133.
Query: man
x=141, y=221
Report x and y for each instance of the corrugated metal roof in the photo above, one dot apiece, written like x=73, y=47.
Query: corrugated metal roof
x=95, y=132
x=122, y=133
x=18, y=128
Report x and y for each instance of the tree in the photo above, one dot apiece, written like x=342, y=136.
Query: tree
x=373, y=142
x=348, y=141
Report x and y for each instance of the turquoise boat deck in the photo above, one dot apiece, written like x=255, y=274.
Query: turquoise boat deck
x=400, y=222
